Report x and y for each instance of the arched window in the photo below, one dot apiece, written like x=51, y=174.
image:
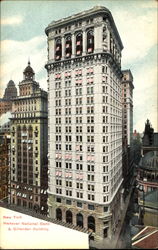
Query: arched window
x=58, y=49
x=58, y=214
x=90, y=41
x=68, y=216
x=79, y=44
x=79, y=219
x=68, y=47
x=91, y=223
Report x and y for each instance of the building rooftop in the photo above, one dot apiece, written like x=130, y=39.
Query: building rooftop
x=149, y=161
x=10, y=91
x=85, y=14
x=152, y=197
x=147, y=238
x=28, y=69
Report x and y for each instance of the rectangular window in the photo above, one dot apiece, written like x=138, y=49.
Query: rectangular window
x=68, y=202
x=58, y=199
x=79, y=204
x=91, y=207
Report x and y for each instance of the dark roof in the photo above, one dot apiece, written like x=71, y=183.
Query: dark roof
x=147, y=238
x=10, y=91
x=149, y=161
x=11, y=84
x=152, y=196
x=28, y=69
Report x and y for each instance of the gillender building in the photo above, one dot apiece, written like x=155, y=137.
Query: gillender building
x=85, y=123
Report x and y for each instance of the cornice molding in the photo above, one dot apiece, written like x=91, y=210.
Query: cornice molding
x=96, y=11
x=51, y=65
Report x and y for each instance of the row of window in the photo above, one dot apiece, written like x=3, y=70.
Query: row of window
x=90, y=177
x=76, y=24
x=67, y=75
x=79, y=195
x=25, y=108
x=79, y=45
x=90, y=109
x=90, y=129
x=90, y=148
x=79, y=166
x=79, y=185
x=90, y=119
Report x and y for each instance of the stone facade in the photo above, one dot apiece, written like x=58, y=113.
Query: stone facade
x=127, y=105
x=29, y=145
x=85, y=121
x=4, y=165
x=127, y=129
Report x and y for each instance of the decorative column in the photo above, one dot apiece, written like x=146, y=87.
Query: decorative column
x=97, y=38
x=51, y=49
x=84, y=42
x=108, y=38
x=73, y=45
x=63, y=47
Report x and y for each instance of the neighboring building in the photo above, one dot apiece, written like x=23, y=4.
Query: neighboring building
x=10, y=91
x=5, y=123
x=137, y=143
x=147, y=238
x=5, y=128
x=127, y=105
x=85, y=121
x=148, y=189
x=149, y=139
x=6, y=101
x=127, y=128
x=4, y=165
x=4, y=156
x=29, y=145
x=147, y=178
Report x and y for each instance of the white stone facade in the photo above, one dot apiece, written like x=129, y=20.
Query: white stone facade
x=29, y=136
x=85, y=119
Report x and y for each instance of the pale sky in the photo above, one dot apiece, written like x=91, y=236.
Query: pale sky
x=23, y=36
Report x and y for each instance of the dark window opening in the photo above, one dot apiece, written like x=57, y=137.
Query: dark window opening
x=79, y=44
x=69, y=216
x=58, y=50
x=79, y=218
x=58, y=214
x=68, y=47
x=91, y=223
x=90, y=42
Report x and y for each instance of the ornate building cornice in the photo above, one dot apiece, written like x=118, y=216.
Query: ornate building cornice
x=97, y=57
x=95, y=11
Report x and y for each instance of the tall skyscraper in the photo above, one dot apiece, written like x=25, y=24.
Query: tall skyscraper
x=10, y=91
x=127, y=129
x=127, y=102
x=85, y=121
x=9, y=94
x=29, y=145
